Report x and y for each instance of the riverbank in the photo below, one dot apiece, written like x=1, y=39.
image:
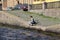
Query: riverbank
x=7, y=18
x=49, y=33
x=40, y=18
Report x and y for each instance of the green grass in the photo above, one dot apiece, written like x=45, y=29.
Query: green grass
x=42, y=19
x=42, y=15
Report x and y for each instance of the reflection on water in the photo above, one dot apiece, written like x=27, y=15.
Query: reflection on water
x=23, y=34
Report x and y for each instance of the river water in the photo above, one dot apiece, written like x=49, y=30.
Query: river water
x=23, y=34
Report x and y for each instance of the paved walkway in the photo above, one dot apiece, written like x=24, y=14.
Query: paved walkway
x=14, y=20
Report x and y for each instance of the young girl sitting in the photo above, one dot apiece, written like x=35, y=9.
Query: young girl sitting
x=32, y=21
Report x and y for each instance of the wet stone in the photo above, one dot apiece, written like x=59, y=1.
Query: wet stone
x=2, y=38
x=17, y=34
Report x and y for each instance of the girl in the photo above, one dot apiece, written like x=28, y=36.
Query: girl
x=32, y=21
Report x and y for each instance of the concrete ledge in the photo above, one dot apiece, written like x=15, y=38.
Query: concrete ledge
x=54, y=28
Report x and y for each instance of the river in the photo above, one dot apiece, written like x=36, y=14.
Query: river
x=23, y=34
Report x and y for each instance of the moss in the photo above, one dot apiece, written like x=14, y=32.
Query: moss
x=49, y=33
x=41, y=14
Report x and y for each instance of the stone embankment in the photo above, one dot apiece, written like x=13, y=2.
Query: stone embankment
x=54, y=28
x=7, y=18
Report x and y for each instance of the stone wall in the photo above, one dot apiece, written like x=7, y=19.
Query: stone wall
x=48, y=12
x=53, y=5
x=52, y=9
x=37, y=6
x=48, y=5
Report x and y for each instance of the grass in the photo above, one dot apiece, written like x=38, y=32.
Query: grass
x=43, y=15
x=42, y=19
x=52, y=34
